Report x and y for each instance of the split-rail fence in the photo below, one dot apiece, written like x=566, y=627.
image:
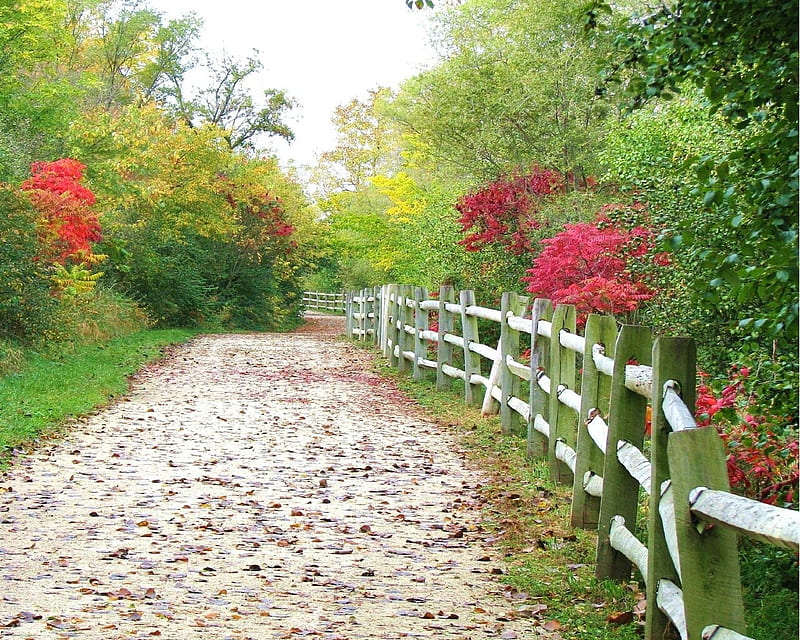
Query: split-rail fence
x=334, y=302
x=591, y=428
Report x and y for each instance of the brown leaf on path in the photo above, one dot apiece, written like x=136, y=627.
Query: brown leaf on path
x=552, y=625
x=530, y=610
x=620, y=617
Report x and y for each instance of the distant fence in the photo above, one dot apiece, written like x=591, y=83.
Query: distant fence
x=594, y=439
x=334, y=302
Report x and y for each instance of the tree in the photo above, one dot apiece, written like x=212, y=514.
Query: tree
x=516, y=86
x=367, y=145
x=589, y=265
x=227, y=104
x=505, y=211
x=193, y=230
x=744, y=57
x=162, y=78
x=26, y=303
x=69, y=226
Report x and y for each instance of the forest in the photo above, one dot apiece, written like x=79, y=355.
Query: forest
x=630, y=159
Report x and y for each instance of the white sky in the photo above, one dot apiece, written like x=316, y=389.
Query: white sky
x=322, y=52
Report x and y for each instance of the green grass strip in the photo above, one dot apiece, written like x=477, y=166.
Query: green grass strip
x=50, y=390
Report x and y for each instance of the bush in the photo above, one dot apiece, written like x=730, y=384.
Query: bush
x=26, y=306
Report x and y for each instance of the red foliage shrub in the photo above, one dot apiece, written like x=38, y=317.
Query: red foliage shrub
x=504, y=211
x=588, y=265
x=70, y=227
x=762, y=464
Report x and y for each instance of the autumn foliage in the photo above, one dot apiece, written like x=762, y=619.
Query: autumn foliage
x=504, y=211
x=762, y=462
x=589, y=265
x=69, y=225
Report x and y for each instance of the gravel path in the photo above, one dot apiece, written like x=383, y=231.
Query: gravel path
x=250, y=487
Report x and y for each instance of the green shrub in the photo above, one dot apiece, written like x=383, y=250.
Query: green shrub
x=26, y=306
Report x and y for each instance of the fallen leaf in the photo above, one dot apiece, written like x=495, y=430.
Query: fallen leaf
x=620, y=617
x=551, y=625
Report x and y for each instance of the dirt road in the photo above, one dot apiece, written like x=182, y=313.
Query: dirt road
x=250, y=487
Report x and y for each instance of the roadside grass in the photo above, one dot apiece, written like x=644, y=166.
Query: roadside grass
x=549, y=566
x=49, y=390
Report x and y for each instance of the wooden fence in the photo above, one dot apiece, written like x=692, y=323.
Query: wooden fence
x=591, y=428
x=334, y=302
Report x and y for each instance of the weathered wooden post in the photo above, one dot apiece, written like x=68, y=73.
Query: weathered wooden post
x=405, y=318
x=386, y=294
x=708, y=556
x=510, y=304
x=362, y=314
x=562, y=376
x=376, y=320
x=444, y=350
x=472, y=361
x=421, y=323
x=595, y=394
x=538, y=400
x=673, y=359
x=391, y=323
x=626, y=420
x=348, y=315
x=369, y=311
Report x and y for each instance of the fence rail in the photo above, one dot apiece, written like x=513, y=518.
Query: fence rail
x=591, y=429
x=335, y=302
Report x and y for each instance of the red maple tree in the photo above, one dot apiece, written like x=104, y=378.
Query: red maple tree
x=588, y=265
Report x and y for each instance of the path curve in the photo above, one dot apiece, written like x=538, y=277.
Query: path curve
x=250, y=487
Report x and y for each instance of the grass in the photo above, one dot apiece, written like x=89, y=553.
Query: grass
x=48, y=391
x=547, y=562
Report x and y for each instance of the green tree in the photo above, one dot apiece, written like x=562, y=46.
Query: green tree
x=358, y=229
x=744, y=57
x=227, y=104
x=26, y=304
x=367, y=145
x=516, y=86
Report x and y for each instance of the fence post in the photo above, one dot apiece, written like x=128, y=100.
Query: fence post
x=362, y=314
x=386, y=293
x=472, y=361
x=348, y=315
x=369, y=313
x=708, y=557
x=514, y=304
x=403, y=316
x=444, y=350
x=673, y=359
x=377, y=315
x=626, y=421
x=392, y=318
x=561, y=372
x=540, y=351
x=595, y=394
x=420, y=324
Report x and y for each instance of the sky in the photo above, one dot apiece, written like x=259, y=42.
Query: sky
x=323, y=53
